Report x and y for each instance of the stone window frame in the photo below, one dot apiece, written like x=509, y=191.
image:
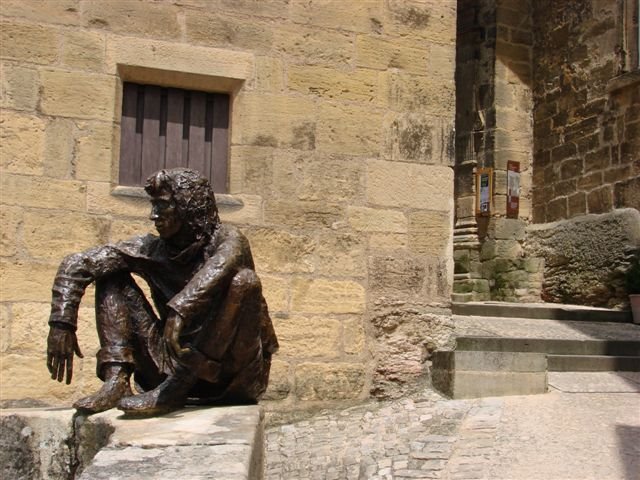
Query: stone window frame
x=173, y=65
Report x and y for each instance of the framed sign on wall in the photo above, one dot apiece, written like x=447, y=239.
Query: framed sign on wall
x=484, y=191
x=513, y=189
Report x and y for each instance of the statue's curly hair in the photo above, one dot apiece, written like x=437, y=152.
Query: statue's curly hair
x=193, y=195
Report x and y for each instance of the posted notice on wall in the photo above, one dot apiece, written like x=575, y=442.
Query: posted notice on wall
x=484, y=191
x=513, y=189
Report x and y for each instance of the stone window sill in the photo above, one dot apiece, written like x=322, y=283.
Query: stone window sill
x=623, y=81
x=223, y=200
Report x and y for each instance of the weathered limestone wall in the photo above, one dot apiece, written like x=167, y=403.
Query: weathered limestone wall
x=587, y=131
x=587, y=152
x=341, y=152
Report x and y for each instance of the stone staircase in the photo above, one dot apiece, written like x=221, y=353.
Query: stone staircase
x=509, y=349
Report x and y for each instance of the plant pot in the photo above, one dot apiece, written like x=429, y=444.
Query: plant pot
x=634, y=300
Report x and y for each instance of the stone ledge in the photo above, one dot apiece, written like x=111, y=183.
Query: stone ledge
x=623, y=81
x=223, y=443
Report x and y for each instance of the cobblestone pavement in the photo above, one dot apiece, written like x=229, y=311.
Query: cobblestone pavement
x=557, y=436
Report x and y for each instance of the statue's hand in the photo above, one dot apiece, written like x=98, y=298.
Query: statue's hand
x=172, y=329
x=62, y=343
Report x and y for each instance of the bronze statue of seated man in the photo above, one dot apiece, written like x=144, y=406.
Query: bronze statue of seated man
x=210, y=337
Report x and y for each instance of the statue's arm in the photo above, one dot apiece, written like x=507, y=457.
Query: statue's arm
x=75, y=273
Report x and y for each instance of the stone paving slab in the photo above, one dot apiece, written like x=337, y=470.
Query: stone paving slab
x=551, y=329
x=595, y=382
x=555, y=436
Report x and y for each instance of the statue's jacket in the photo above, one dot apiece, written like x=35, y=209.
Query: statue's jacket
x=193, y=282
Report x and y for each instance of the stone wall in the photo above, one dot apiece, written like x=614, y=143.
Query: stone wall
x=341, y=155
x=587, y=129
x=587, y=152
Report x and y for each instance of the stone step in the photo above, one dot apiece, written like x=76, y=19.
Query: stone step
x=541, y=311
x=593, y=363
x=550, y=345
x=472, y=374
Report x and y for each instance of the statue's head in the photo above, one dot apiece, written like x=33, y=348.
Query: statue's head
x=181, y=197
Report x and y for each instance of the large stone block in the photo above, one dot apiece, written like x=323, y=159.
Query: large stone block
x=83, y=50
x=363, y=16
x=269, y=75
x=410, y=185
x=94, y=147
x=361, y=86
x=418, y=93
x=157, y=20
x=353, y=338
x=26, y=281
x=394, y=276
x=341, y=254
x=271, y=9
x=433, y=20
x=22, y=140
x=10, y=219
x=18, y=87
x=388, y=241
x=52, y=235
x=430, y=233
x=59, y=148
x=42, y=192
x=327, y=296
x=78, y=95
x=307, y=176
x=382, y=54
x=215, y=30
x=309, y=337
x=276, y=291
x=281, y=251
x=66, y=12
x=37, y=444
x=365, y=219
x=337, y=381
x=585, y=257
x=127, y=228
x=311, y=215
x=29, y=42
x=313, y=46
x=179, y=65
x=328, y=178
x=275, y=121
x=349, y=129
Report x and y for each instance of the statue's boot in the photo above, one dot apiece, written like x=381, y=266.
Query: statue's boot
x=170, y=395
x=115, y=387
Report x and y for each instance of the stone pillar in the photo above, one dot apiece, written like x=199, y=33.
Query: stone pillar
x=494, y=126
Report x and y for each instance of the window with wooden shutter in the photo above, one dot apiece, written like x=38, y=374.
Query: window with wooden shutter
x=169, y=127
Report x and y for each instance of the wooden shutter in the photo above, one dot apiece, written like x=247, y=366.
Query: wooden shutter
x=169, y=127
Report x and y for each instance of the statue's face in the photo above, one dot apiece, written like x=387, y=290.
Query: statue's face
x=164, y=215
